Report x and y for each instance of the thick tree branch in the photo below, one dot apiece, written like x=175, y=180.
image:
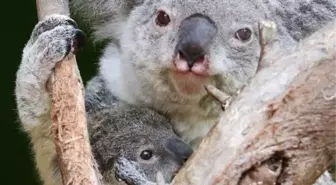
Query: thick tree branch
x=281, y=127
x=68, y=114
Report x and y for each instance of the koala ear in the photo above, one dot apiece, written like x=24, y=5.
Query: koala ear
x=134, y=3
x=181, y=149
x=129, y=5
x=105, y=17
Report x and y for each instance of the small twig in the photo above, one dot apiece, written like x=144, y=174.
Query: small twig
x=219, y=95
x=268, y=40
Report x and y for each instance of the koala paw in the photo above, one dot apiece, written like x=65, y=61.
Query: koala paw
x=59, y=26
x=129, y=172
x=51, y=40
x=56, y=35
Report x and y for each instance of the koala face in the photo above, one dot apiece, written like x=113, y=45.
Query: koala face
x=139, y=135
x=157, y=152
x=189, y=43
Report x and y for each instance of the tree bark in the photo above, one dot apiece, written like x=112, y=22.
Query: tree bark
x=280, y=129
x=68, y=114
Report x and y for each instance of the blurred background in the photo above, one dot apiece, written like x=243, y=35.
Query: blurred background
x=18, y=20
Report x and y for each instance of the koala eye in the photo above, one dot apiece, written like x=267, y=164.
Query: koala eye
x=146, y=154
x=162, y=18
x=243, y=34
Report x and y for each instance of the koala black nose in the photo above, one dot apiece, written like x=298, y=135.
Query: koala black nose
x=179, y=148
x=196, y=33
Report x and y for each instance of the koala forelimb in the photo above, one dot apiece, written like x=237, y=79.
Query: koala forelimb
x=132, y=174
x=49, y=43
x=150, y=60
x=115, y=128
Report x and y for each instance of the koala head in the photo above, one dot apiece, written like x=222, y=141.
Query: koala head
x=190, y=43
x=180, y=45
x=139, y=135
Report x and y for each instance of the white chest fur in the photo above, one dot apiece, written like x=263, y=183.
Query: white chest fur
x=194, y=130
x=191, y=118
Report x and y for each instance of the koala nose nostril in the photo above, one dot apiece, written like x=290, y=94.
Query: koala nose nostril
x=196, y=34
x=192, y=56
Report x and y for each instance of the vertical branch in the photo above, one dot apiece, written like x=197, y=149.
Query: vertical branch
x=68, y=113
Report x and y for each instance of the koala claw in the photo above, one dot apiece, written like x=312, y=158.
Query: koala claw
x=76, y=43
x=79, y=40
x=50, y=23
x=57, y=28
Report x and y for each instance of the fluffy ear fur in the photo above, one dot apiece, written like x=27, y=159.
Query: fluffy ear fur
x=106, y=17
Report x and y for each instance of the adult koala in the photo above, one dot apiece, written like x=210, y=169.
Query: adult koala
x=162, y=53
x=119, y=133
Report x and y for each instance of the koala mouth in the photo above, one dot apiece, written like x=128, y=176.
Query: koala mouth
x=190, y=77
x=199, y=66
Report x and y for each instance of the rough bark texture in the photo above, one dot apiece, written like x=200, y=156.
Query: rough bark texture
x=280, y=129
x=68, y=113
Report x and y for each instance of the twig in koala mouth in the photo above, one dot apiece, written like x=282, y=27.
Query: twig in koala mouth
x=219, y=95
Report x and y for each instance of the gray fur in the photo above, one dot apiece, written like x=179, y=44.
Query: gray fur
x=116, y=129
x=134, y=174
x=135, y=65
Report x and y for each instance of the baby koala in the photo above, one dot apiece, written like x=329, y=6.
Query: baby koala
x=137, y=137
x=118, y=133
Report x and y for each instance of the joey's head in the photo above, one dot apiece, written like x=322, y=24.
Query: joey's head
x=142, y=136
x=186, y=44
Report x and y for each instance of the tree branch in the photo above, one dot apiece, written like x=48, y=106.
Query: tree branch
x=68, y=114
x=280, y=129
